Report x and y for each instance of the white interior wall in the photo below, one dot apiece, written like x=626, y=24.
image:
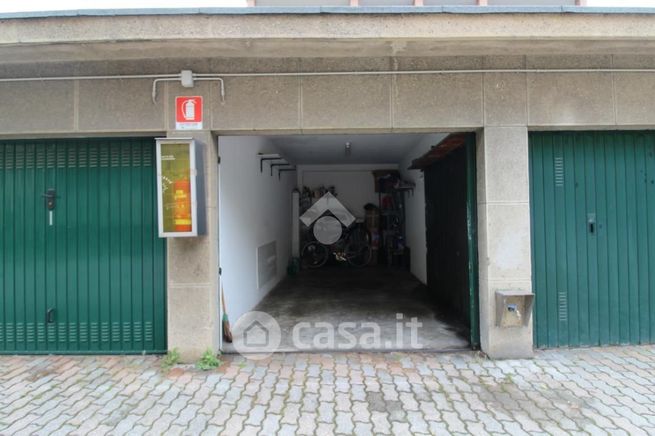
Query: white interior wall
x=354, y=184
x=415, y=206
x=255, y=209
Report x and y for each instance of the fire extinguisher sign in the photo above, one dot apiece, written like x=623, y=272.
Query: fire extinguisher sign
x=188, y=113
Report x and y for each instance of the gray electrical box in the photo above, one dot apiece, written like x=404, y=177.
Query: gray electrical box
x=513, y=308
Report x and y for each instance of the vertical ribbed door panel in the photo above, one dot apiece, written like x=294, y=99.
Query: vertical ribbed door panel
x=89, y=275
x=593, y=233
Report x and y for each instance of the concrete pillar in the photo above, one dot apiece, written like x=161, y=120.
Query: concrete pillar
x=192, y=271
x=503, y=234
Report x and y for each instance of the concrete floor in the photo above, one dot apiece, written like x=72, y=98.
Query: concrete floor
x=376, y=295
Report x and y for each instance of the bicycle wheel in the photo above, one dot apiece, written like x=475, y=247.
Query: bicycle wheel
x=358, y=249
x=314, y=255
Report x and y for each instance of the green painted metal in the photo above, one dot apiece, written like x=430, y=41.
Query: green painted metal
x=472, y=236
x=593, y=237
x=451, y=234
x=99, y=264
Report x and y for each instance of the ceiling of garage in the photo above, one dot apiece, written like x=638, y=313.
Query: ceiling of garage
x=365, y=149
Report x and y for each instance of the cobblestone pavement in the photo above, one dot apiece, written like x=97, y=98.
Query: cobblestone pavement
x=610, y=390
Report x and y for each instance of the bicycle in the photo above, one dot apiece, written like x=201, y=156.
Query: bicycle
x=354, y=247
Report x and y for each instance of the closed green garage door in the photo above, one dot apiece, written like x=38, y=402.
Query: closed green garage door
x=87, y=276
x=593, y=233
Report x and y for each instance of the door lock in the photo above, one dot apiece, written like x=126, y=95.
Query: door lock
x=50, y=199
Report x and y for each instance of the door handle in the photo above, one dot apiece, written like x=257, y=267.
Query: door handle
x=591, y=223
x=50, y=316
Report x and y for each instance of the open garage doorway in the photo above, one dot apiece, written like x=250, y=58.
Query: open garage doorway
x=349, y=241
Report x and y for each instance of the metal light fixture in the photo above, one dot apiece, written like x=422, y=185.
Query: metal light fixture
x=348, y=149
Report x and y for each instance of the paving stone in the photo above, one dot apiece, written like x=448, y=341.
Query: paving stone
x=363, y=429
x=295, y=394
x=256, y=415
x=271, y=424
x=592, y=391
x=307, y=423
x=381, y=422
x=126, y=425
x=361, y=412
x=325, y=429
x=197, y=424
x=453, y=422
x=326, y=412
x=344, y=422
x=288, y=430
x=187, y=414
x=417, y=423
x=343, y=403
x=309, y=402
x=438, y=428
x=291, y=413
x=221, y=415
x=408, y=401
x=358, y=393
x=276, y=405
x=399, y=428
x=249, y=430
x=234, y=424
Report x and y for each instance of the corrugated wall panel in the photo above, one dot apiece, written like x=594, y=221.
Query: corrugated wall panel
x=99, y=264
x=593, y=232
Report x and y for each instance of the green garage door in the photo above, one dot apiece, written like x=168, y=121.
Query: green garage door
x=88, y=275
x=593, y=237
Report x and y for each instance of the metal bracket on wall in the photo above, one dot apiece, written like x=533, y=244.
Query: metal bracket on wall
x=280, y=165
x=270, y=158
x=275, y=160
x=284, y=170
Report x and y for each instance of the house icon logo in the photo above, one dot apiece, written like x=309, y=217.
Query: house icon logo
x=256, y=335
x=327, y=228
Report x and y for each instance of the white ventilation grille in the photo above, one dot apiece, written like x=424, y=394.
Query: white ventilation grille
x=559, y=171
x=562, y=306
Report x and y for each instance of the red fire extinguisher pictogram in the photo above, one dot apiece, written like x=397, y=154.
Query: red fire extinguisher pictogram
x=182, y=199
x=189, y=110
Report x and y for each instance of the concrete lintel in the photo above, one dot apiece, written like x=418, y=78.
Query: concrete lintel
x=527, y=22
x=304, y=10
x=455, y=32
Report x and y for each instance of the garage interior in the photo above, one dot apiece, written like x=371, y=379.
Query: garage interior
x=414, y=263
